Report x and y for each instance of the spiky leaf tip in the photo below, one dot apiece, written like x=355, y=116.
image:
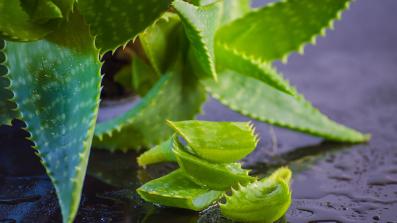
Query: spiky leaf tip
x=201, y=23
x=265, y=201
x=246, y=95
x=56, y=87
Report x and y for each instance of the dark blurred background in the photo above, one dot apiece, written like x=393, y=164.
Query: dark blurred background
x=350, y=75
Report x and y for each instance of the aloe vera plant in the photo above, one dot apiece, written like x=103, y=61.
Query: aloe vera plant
x=50, y=73
x=200, y=182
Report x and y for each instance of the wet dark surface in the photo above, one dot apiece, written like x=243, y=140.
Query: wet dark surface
x=351, y=76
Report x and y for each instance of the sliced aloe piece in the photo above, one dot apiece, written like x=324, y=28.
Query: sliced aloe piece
x=158, y=154
x=177, y=190
x=219, y=142
x=212, y=175
x=265, y=201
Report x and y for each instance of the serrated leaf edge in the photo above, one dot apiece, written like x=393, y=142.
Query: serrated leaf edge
x=307, y=104
x=200, y=34
x=6, y=76
x=41, y=155
x=301, y=48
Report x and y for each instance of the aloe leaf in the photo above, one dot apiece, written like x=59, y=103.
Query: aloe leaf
x=138, y=78
x=234, y=9
x=124, y=77
x=177, y=190
x=212, y=175
x=200, y=25
x=260, y=101
x=219, y=142
x=66, y=6
x=282, y=27
x=8, y=109
x=161, y=40
x=16, y=24
x=175, y=96
x=41, y=11
x=264, y=72
x=158, y=154
x=56, y=90
x=114, y=23
x=143, y=76
x=265, y=201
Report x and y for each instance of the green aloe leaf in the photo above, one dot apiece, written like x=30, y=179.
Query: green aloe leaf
x=265, y=201
x=260, y=101
x=41, y=11
x=282, y=27
x=143, y=76
x=177, y=190
x=234, y=9
x=66, y=6
x=124, y=77
x=114, y=23
x=175, y=96
x=7, y=106
x=17, y=25
x=264, y=72
x=200, y=25
x=56, y=86
x=219, y=142
x=212, y=175
x=161, y=40
x=158, y=154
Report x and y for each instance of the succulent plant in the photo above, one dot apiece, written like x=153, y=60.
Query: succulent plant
x=201, y=181
x=50, y=53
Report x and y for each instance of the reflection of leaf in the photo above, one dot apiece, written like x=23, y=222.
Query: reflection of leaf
x=117, y=169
